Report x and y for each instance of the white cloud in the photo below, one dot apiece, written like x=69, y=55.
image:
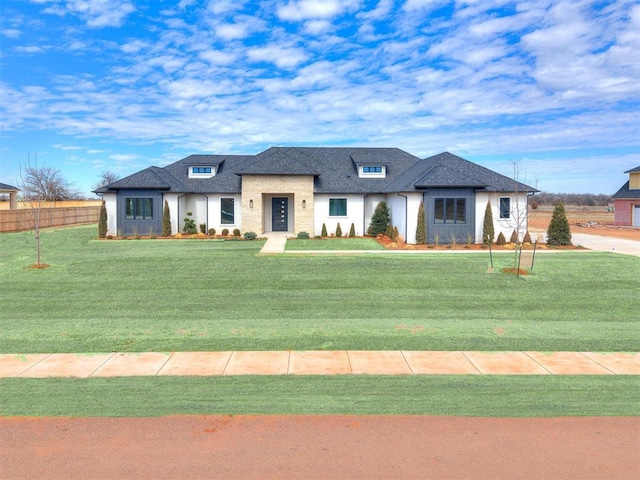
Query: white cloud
x=232, y=31
x=217, y=57
x=282, y=57
x=314, y=9
x=97, y=13
x=11, y=32
x=30, y=49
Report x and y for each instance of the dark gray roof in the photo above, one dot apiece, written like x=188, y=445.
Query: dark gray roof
x=5, y=186
x=633, y=170
x=626, y=192
x=335, y=170
x=448, y=170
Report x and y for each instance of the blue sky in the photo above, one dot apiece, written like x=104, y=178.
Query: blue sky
x=92, y=85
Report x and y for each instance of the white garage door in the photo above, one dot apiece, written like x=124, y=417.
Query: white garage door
x=636, y=216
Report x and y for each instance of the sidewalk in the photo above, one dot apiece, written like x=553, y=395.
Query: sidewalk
x=321, y=362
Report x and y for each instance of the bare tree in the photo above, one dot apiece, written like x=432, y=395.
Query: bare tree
x=40, y=185
x=45, y=184
x=106, y=177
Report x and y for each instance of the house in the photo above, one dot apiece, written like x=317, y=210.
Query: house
x=298, y=189
x=627, y=200
x=13, y=194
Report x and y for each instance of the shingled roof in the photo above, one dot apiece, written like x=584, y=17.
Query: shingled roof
x=335, y=170
x=7, y=188
x=448, y=170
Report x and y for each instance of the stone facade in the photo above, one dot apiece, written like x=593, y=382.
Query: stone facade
x=257, y=191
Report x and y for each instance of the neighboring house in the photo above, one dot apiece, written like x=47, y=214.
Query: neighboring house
x=627, y=200
x=296, y=189
x=13, y=194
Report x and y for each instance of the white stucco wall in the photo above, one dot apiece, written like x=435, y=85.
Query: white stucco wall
x=215, y=216
x=355, y=214
x=111, y=204
x=518, y=215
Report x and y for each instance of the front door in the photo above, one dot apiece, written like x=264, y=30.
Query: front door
x=635, y=221
x=279, y=214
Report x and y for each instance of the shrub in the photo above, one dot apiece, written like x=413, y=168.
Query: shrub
x=469, y=240
x=338, y=230
x=514, y=237
x=166, y=220
x=317, y=237
x=535, y=205
x=389, y=231
x=488, y=233
x=212, y=231
x=558, y=232
x=303, y=236
x=436, y=239
x=324, y=231
x=421, y=230
x=236, y=232
x=102, y=221
x=225, y=232
x=250, y=235
x=454, y=240
x=352, y=231
x=203, y=228
x=189, y=224
x=394, y=234
x=501, y=240
x=527, y=238
x=379, y=220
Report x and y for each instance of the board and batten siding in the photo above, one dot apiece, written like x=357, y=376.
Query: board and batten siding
x=141, y=227
x=445, y=232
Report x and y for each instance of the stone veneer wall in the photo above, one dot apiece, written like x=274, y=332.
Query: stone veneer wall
x=260, y=188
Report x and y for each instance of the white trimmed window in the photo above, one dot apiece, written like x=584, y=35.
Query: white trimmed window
x=372, y=171
x=202, y=171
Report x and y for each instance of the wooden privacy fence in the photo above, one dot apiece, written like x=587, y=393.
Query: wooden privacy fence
x=23, y=218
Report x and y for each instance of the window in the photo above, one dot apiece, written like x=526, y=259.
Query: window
x=450, y=210
x=337, y=207
x=139, y=209
x=372, y=171
x=227, y=211
x=202, y=172
x=505, y=207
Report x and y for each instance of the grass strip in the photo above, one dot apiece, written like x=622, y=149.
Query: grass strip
x=468, y=395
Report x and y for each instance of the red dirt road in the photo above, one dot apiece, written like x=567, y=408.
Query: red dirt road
x=320, y=447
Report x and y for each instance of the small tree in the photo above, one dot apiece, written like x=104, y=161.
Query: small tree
x=352, y=231
x=166, y=220
x=190, y=225
x=338, y=231
x=501, y=240
x=106, y=178
x=324, y=231
x=380, y=220
x=421, y=230
x=488, y=233
x=514, y=237
x=395, y=234
x=102, y=221
x=558, y=232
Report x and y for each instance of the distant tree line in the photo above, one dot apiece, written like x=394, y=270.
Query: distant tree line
x=580, y=199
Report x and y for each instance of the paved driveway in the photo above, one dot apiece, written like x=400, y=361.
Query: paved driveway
x=606, y=244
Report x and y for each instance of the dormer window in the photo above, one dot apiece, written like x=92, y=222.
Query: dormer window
x=202, y=171
x=372, y=171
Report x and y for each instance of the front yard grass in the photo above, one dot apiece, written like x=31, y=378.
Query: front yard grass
x=185, y=295
x=333, y=244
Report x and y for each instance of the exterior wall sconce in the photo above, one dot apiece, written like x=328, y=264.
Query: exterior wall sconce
x=304, y=204
x=250, y=203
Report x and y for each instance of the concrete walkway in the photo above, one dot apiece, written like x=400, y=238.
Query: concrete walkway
x=321, y=362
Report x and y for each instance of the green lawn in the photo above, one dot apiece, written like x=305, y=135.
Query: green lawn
x=464, y=395
x=180, y=295
x=334, y=244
